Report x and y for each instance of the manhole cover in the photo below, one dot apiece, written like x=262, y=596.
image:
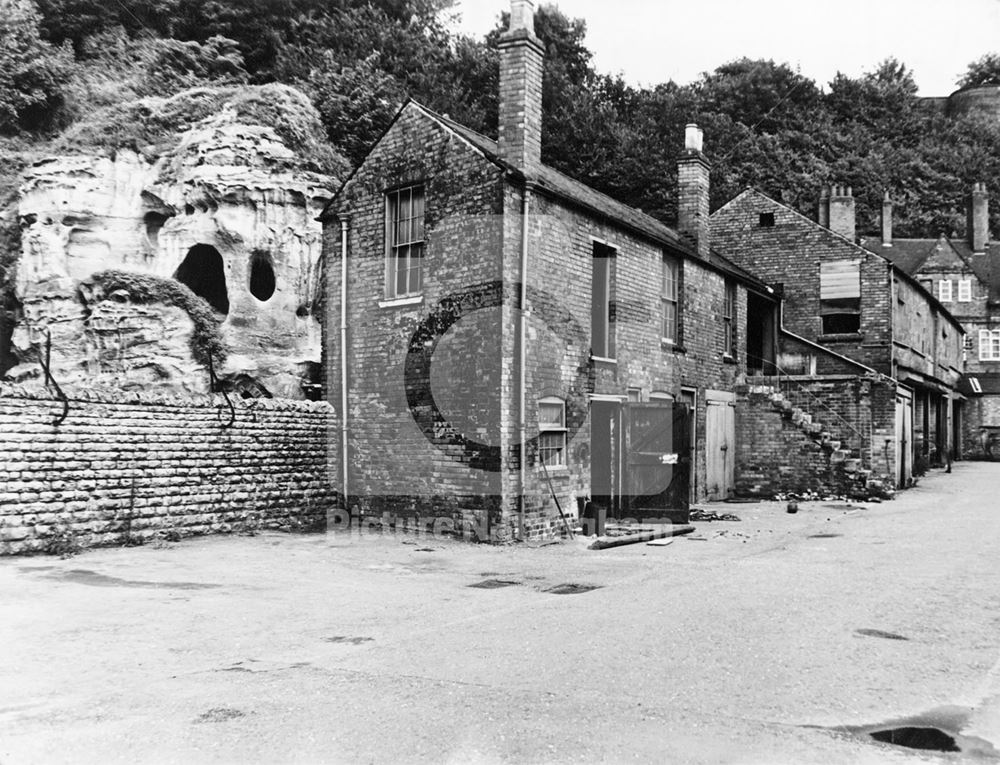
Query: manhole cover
x=572, y=589
x=494, y=584
x=881, y=634
x=918, y=738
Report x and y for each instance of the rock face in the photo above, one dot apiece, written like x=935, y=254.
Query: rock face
x=228, y=210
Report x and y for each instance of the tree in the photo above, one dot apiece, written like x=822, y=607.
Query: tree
x=32, y=72
x=982, y=71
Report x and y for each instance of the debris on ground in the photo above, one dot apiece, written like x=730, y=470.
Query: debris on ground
x=697, y=514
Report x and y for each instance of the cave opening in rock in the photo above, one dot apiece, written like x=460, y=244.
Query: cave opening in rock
x=261, y=276
x=203, y=272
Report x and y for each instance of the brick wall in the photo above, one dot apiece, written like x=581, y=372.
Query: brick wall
x=848, y=430
x=790, y=252
x=123, y=468
x=405, y=459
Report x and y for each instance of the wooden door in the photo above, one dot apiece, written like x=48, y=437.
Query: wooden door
x=720, y=444
x=658, y=461
x=904, y=438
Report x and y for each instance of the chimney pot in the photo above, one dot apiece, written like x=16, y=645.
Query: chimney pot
x=823, y=209
x=694, y=138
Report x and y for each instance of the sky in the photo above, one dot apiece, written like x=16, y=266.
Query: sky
x=652, y=42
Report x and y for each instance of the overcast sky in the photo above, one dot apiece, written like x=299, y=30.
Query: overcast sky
x=652, y=42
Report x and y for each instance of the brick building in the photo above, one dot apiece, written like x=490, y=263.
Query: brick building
x=615, y=383
x=964, y=275
x=854, y=328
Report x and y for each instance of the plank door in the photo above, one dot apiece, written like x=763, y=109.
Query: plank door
x=720, y=444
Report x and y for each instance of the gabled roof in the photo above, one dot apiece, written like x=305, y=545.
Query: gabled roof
x=910, y=255
x=751, y=191
x=551, y=181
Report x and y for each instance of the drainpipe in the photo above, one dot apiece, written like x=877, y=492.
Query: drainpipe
x=343, y=363
x=522, y=331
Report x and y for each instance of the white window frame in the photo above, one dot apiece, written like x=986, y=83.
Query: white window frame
x=840, y=295
x=989, y=345
x=407, y=245
x=964, y=290
x=670, y=292
x=944, y=290
x=552, y=435
x=974, y=384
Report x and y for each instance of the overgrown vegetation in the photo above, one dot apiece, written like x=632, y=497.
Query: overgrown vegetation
x=207, y=345
x=145, y=69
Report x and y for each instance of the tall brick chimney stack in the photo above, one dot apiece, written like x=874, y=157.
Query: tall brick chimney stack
x=692, y=190
x=978, y=218
x=886, y=220
x=521, y=58
x=842, y=211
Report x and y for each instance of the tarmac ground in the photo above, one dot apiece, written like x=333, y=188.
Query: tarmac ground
x=776, y=639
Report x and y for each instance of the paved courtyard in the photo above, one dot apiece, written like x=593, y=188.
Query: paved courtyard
x=767, y=640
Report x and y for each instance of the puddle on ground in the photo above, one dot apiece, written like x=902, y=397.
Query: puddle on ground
x=351, y=640
x=572, y=588
x=92, y=578
x=494, y=584
x=938, y=730
x=867, y=632
x=824, y=536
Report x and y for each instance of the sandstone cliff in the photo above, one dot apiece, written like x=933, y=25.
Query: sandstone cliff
x=215, y=188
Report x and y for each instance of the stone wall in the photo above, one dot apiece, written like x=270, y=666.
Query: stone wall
x=124, y=469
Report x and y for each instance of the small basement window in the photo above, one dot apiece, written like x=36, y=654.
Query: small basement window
x=261, y=276
x=766, y=220
x=552, y=432
x=204, y=273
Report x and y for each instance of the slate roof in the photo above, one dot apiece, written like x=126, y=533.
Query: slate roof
x=558, y=184
x=910, y=255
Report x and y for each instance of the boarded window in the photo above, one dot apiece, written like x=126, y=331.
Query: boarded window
x=840, y=296
x=602, y=300
x=669, y=298
x=552, y=432
x=405, y=239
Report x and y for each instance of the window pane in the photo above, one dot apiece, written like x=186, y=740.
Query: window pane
x=669, y=320
x=551, y=415
x=415, y=267
x=551, y=448
x=401, y=270
x=670, y=279
x=417, y=228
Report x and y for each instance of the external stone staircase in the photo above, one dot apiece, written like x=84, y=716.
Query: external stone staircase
x=846, y=459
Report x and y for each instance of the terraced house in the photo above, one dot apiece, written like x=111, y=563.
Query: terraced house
x=504, y=344
x=865, y=349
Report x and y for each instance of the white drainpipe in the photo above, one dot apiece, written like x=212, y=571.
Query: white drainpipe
x=343, y=362
x=522, y=354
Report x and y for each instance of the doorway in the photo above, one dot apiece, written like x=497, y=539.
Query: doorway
x=605, y=456
x=720, y=444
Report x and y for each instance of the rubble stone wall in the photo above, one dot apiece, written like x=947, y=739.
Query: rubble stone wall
x=124, y=469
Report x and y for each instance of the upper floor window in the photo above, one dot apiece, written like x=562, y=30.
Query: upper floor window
x=840, y=296
x=404, y=219
x=602, y=330
x=944, y=290
x=729, y=321
x=552, y=432
x=989, y=345
x=670, y=299
x=964, y=290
